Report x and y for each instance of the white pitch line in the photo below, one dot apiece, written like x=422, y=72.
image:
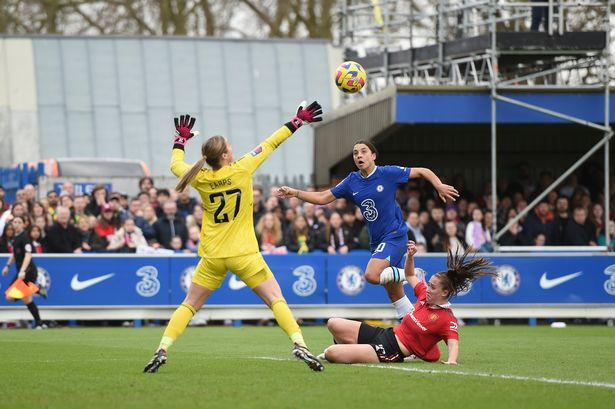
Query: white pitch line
x=477, y=374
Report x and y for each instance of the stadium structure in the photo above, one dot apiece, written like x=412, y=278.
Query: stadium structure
x=476, y=93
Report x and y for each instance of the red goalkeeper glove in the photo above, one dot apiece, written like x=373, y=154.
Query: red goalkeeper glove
x=183, y=131
x=312, y=113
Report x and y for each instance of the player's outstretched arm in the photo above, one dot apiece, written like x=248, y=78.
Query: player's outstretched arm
x=310, y=113
x=453, y=351
x=320, y=198
x=412, y=279
x=183, y=133
x=446, y=192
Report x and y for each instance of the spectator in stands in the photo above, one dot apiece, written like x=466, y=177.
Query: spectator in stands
x=176, y=244
x=289, y=216
x=413, y=205
x=144, y=198
x=68, y=188
x=185, y=204
x=149, y=215
x=434, y=229
x=145, y=184
x=162, y=196
x=7, y=235
x=90, y=240
x=106, y=224
x=453, y=241
x=451, y=214
x=540, y=239
x=127, y=238
x=298, y=239
x=36, y=236
x=2, y=195
x=79, y=205
x=597, y=219
x=42, y=223
x=52, y=202
x=562, y=217
x=269, y=233
x=194, y=239
x=477, y=236
x=340, y=237
x=97, y=201
x=602, y=237
x=170, y=226
x=62, y=236
x=350, y=222
x=462, y=210
x=541, y=220
x=29, y=195
x=415, y=231
x=513, y=236
x=120, y=214
x=3, y=206
x=577, y=232
x=321, y=241
x=259, y=208
x=196, y=218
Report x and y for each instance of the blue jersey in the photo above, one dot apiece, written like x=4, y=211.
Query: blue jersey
x=375, y=196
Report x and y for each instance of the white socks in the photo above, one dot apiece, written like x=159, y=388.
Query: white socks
x=392, y=275
x=403, y=306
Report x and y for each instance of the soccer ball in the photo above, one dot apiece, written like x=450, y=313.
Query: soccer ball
x=350, y=77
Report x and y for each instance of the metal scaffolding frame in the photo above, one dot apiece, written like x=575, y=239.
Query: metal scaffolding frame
x=475, y=17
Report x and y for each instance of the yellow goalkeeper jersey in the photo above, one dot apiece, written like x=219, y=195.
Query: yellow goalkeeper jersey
x=228, y=227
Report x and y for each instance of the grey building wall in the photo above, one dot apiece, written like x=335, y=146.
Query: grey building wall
x=116, y=97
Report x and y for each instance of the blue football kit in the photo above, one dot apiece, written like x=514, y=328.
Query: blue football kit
x=375, y=196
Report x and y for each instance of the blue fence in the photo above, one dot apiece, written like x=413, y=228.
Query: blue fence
x=318, y=279
x=16, y=177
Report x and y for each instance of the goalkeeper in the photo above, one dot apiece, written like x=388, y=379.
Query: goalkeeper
x=228, y=241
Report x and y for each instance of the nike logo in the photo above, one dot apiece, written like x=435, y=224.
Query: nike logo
x=547, y=283
x=77, y=285
x=236, y=284
x=355, y=193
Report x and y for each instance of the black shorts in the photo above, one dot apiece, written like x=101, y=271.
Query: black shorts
x=383, y=341
x=31, y=276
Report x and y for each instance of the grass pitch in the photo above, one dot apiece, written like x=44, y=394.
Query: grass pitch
x=251, y=367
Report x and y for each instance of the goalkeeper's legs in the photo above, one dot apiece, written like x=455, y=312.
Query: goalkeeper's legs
x=197, y=295
x=271, y=293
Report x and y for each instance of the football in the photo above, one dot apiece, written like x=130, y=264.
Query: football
x=350, y=77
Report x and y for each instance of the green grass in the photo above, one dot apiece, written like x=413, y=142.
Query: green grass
x=218, y=367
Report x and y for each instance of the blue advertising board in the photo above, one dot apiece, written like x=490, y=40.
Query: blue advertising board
x=315, y=279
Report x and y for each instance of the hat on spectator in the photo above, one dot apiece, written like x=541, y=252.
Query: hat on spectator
x=106, y=208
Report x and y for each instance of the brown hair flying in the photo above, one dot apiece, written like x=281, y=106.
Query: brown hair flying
x=462, y=271
x=211, y=151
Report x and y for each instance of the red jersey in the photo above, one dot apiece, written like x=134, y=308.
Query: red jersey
x=423, y=328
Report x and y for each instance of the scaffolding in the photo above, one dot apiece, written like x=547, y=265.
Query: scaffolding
x=488, y=43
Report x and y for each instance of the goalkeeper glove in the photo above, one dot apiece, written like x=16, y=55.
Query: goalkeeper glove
x=312, y=113
x=183, y=131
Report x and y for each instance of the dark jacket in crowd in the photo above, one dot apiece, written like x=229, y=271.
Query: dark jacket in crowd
x=577, y=234
x=166, y=229
x=62, y=240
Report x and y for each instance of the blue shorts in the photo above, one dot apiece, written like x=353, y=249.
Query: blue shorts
x=392, y=249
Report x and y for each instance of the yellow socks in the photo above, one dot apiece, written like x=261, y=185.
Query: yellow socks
x=286, y=321
x=179, y=321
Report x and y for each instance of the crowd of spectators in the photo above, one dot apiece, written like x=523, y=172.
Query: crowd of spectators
x=159, y=219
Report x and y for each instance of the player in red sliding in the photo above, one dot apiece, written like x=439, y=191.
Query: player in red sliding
x=431, y=321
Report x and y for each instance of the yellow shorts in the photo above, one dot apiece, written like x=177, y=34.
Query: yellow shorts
x=251, y=269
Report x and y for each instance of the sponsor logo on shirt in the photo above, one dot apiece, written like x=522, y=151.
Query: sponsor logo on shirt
x=256, y=150
x=416, y=321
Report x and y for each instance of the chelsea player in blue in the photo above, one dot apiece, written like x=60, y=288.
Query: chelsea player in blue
x=373, y=189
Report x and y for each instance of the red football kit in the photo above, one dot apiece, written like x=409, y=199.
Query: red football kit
x=423, y=328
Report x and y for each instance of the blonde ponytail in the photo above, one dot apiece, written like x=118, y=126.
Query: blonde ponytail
x=188, y=176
